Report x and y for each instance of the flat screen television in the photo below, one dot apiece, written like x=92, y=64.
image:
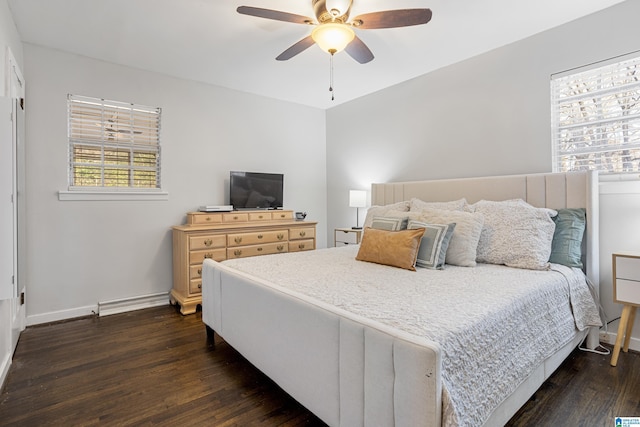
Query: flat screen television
x=255, y=190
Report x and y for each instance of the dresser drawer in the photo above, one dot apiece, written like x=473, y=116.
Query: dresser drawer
x=266, y=249
x=627, y=291
x=195, y=286
x=302, y=233
x=278, y=215
x=235, y=217
x=301, y=245
x=260, y=216
x=627, y=268
x=196, y=257
x=206, y=242
x=242, y=239
x=195, y=271
x=204, y=218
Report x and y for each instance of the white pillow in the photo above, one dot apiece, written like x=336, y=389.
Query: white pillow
x=515, y=234
x=464, y=240
x=382, y=210
x=454, y=205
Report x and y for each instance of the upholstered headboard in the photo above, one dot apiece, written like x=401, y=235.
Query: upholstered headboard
x=550, y=190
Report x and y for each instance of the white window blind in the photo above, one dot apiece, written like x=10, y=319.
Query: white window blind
x=113, y=145
x=596, y=119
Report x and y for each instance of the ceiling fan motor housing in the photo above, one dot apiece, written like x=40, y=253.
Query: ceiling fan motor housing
x=331, y=10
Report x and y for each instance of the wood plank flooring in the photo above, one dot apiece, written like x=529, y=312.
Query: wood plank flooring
x=153, y=367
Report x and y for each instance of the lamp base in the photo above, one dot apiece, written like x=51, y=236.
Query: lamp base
x=356, y=228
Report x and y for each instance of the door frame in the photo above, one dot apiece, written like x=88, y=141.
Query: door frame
x=15, y=89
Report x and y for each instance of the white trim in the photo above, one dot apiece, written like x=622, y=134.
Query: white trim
x=619, y=187
x=112, y=195
x=4, y=368
x=610, y=338
x=55, y=316
x=107, y=308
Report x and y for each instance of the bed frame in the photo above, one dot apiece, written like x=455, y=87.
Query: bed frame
x=352, y=371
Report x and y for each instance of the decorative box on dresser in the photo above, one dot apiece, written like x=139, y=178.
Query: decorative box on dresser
x=227, y=235
x=626, y=290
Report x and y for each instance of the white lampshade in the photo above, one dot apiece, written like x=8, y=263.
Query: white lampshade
x=357, y=198
x=332, y=37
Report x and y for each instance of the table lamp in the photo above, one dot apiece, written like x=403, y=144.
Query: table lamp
x=357, y=199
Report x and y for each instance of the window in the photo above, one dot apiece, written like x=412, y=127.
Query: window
x=113, y=146
x=596, y=119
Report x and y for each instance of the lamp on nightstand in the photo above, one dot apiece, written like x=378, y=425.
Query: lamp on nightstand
x=357, y=199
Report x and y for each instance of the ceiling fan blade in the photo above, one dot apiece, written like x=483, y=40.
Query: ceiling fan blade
x=359, y=51
x=296, y=49
x=274, y=14
x=392, y=18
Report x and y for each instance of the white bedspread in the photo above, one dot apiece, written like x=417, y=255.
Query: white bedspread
x=494, y=323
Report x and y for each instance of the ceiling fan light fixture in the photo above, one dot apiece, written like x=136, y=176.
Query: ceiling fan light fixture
x=333, y=37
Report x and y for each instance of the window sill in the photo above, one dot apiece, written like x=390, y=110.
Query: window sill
x=112, y=195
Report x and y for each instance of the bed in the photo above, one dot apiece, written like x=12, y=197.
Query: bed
x=340, y=350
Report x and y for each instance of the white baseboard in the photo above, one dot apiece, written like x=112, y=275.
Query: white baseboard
x=55, y=316
x=107, y=308
x=610, y=338
x=4, y=369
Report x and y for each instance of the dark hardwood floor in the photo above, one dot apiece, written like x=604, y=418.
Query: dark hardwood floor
x=153, y=367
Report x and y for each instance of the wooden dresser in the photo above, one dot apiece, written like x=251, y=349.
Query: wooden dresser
x=227, y=235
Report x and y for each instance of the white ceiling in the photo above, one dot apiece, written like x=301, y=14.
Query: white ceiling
x=208, y=41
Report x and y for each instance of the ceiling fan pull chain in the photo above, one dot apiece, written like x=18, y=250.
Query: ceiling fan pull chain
x=332, y=52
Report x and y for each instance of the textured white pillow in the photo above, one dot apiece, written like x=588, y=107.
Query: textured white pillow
x=454, y=205
x=464, y=240
x=515, y=234
x=382, y=210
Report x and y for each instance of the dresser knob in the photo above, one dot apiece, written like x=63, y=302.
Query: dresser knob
x=208, y=218
x=237, y=252
x=259, y=249
x=208, y=242
x=259, y=236
x=301, y=246
x=280, y=248
x=199, y=272
x=280, y=236
x=199, y=285
x=238, y=239
x=303, y=233
x=208, y=255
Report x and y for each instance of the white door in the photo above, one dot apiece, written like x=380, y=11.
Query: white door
x=16, y=93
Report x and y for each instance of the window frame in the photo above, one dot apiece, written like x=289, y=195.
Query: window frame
x=606, y=130
x=137, y=132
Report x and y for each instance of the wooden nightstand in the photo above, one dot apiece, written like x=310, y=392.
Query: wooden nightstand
x=626, y=290
x=346, y=236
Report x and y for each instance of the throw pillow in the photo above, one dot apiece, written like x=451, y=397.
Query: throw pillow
x=515, y=234
x=374, y=211
x=465, y=236
x=389, y=223
x=566, y=248
x=434, y=243
x=393, y=248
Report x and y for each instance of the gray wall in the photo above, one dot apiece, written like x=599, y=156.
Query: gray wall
x=80, y=253
x=489, y=115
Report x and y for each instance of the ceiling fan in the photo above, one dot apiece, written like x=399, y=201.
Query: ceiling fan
x=333, y=30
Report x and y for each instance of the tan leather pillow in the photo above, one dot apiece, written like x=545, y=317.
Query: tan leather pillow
x=394, y=248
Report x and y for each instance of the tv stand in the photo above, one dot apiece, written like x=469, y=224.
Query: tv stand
x=227, y=235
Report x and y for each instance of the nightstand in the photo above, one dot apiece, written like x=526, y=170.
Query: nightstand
x=626, y=290
x=346, y=236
